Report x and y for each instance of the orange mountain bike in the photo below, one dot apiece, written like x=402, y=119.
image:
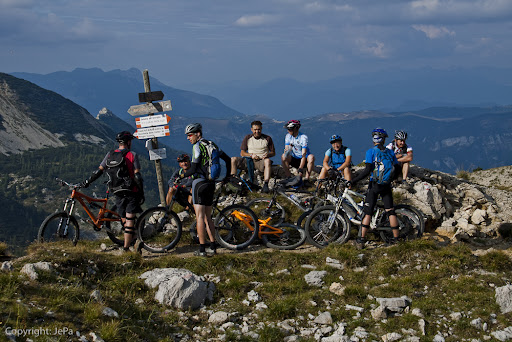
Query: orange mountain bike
x=63, y=225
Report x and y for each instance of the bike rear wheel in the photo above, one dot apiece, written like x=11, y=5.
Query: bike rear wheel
x=236, y=227
x=114, y=229
x=292, y=237
x=58, y=227
x=325, y=226
x=263, y=209
x=158, y=229
x=410, y=223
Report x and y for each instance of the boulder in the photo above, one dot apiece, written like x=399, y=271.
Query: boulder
x=178, y=288
x=503, y=296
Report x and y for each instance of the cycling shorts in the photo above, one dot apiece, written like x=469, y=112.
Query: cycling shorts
x=203, y=192
x=374, y=190
x=127, y=202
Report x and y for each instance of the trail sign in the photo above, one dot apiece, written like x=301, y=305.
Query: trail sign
x=152, y=132
x=157, y=154
x=150, y=108
x=153, y=120
x=151, y=96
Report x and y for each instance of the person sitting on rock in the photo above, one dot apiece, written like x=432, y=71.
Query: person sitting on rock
x=338, y=158
x=403, y=152
x=296, y=152
x=256, y=150
x=180, y=188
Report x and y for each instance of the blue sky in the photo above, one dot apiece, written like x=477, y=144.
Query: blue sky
x=203, y=41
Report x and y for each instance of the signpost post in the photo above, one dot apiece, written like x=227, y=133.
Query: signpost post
x=145, y=129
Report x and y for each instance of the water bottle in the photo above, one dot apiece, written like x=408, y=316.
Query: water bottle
x=293, y=197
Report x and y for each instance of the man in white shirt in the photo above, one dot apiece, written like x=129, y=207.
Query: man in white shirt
x=296, y=152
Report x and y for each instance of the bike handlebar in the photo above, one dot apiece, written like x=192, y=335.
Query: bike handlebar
x=69, y=185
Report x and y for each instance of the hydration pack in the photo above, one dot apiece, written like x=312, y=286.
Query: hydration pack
x=383, y=170
x=337, y=162
x=117, y=171
x=212, y=154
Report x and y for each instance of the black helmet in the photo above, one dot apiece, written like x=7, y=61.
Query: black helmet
x=124, y=137
x=183, y=157
x=193, y=128
x=401, y=135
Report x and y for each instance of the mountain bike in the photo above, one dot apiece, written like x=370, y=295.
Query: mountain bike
x=63, y=225
x=159, y=229
x=270, y=207
x=331, y=223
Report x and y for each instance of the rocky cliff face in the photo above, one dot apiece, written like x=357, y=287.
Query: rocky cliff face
x=20, y=133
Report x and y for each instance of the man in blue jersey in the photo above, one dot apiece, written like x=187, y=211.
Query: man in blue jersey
x=337, y=159
x=381, y=165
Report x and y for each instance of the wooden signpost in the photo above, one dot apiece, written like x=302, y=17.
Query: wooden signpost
x=145, y=129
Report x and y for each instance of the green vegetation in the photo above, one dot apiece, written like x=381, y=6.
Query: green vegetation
x=29, y=192
x=439, y=281
x=462, y=174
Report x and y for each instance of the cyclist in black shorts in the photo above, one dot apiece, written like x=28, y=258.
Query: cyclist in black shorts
x=381, y=165
x=129, y=196
x=181, y=187
x=202, y=188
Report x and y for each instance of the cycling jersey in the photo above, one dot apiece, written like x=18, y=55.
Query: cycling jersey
x=336, y=159
x=297, y=144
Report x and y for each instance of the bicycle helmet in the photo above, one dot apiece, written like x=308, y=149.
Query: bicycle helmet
x=193, y=128
x=292, y=124
x=124, y=137
x=183, y=157
x=401, y=135
x=379, y=132
x=334, y=138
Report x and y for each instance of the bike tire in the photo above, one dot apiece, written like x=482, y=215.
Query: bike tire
x=301, y=221
x=320, y=232
x=292, y=237
x=114, y=229
x=51, y=230
x=260, y=206
x=231, y=231
x=410, y=223
x=158, y=229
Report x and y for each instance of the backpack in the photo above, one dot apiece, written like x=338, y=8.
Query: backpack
x=384, y=167
x=212, y=152
x=117, y=171
x=342, y=151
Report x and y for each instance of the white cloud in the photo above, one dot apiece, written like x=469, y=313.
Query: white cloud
x=375, y=48
x=255, y=20
x=434, y=32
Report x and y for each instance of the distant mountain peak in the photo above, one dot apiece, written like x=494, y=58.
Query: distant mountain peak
x=105, y=113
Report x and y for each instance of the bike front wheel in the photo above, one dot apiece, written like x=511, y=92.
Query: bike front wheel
x=265, y=208
x=410, y=223
x=58, y=227
x=236, y=227
x=291, y=237
x=158, y=229
x=326, y=225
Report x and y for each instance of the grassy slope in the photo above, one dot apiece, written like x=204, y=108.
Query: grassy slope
x=439, y=280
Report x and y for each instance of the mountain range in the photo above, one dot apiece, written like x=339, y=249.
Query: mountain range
x=447, y=138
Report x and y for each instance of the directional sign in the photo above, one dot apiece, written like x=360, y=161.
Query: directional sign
x=153, y=120
x=152, y=132
x=151, y=96
x=159, y=153
x=150, y=108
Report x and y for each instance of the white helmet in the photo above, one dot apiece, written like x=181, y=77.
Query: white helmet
x=193, y=128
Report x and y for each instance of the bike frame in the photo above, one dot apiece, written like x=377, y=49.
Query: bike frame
x=347, y=196
x=87, y=202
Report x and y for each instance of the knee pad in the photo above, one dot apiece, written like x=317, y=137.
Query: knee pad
x=367, y=226
x=367, y=210
x=391, y=212
x=129, y=231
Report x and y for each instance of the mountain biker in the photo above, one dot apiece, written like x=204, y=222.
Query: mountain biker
x=403, y=152
x=376, y=168
x=130, y=197
x=181, y=187
x=202, y=187
x=259, y=148
x=337, y=158
x=296, y=152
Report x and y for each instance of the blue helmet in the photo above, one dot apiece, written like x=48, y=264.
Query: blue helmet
x=380, y=132
x=334, y=138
